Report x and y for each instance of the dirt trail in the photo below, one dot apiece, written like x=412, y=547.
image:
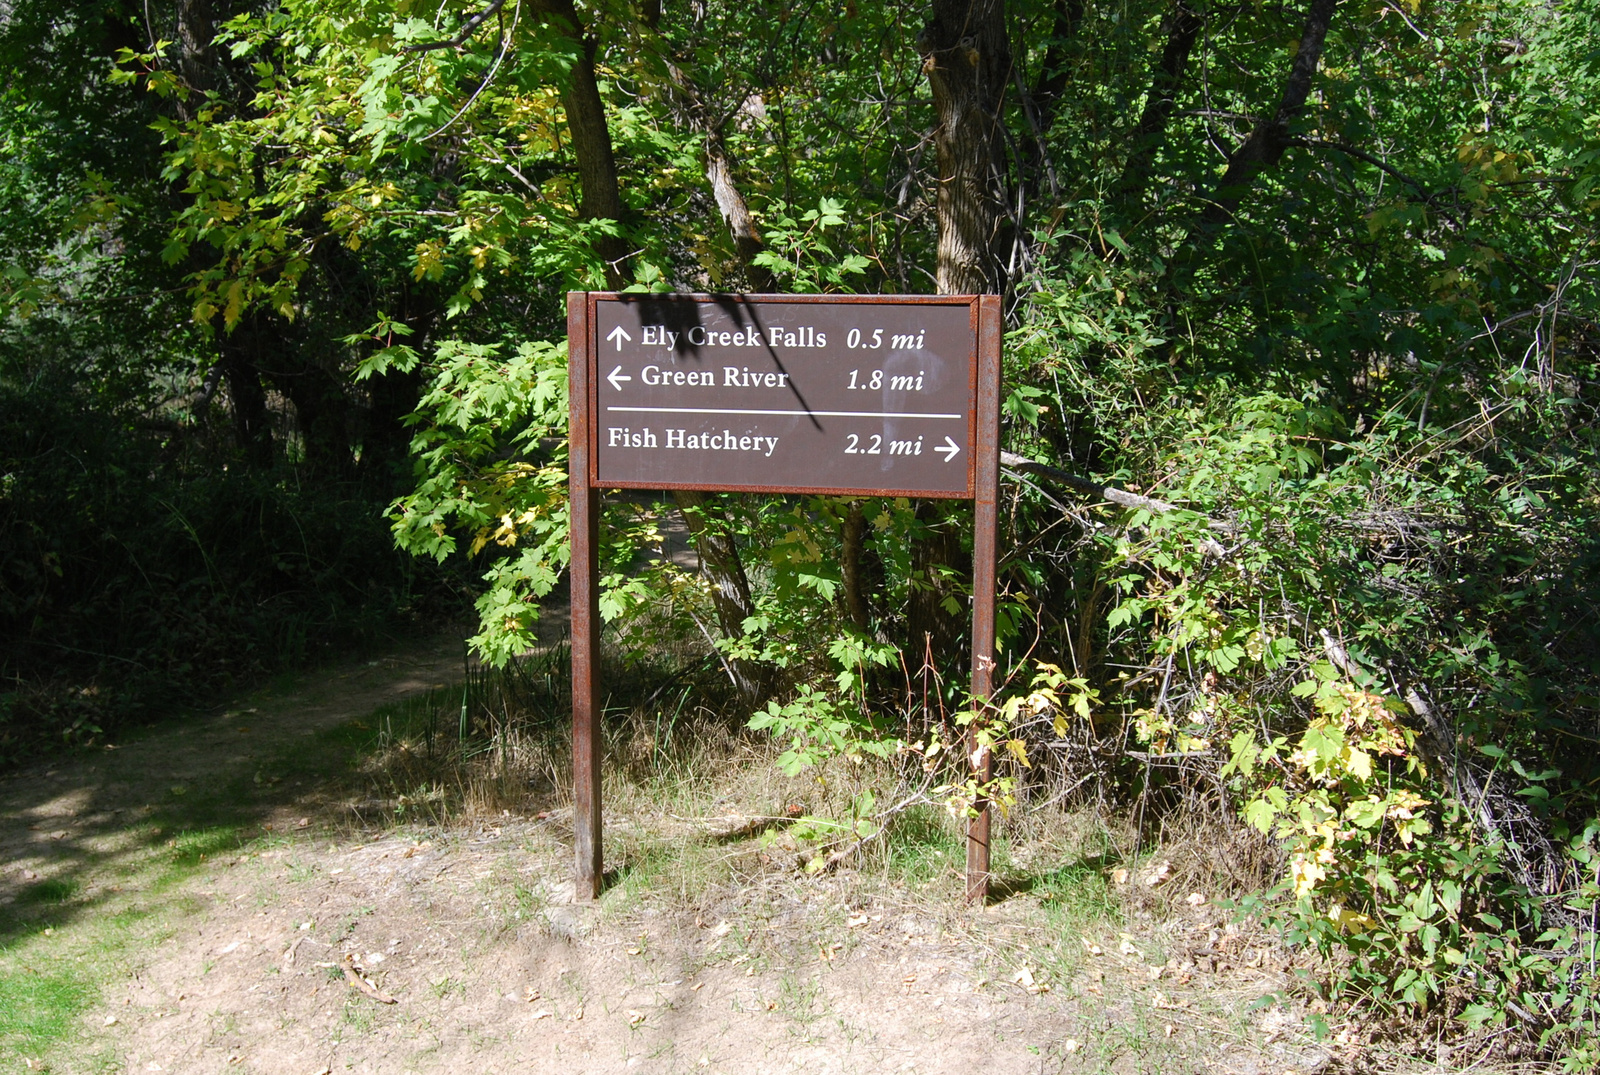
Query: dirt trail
x=269, y=933
x=75, y=817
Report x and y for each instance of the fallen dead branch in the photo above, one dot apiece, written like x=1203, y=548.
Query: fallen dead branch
x=1017, y=466
x=289, y=953
x=1013, y=462
x=1531, y=858
x=1393, y=523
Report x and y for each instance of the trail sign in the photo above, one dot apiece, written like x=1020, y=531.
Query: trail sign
x=867, y=395
x=849, y=395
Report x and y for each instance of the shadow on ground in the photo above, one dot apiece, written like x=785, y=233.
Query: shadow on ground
x=181, y=794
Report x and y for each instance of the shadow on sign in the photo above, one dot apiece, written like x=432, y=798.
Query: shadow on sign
x=680, y=316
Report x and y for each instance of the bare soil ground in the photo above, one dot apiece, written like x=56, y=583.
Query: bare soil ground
x=227, y=903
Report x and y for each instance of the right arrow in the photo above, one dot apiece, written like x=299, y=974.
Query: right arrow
x=950, y=449
x=618, y=334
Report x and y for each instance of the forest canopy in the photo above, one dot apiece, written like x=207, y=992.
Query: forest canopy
x=1302, y=516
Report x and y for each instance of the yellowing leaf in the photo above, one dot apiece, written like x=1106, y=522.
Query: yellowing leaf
x=1306, y=874
x=430, y=261
x=1349, y=921
x=234, y=309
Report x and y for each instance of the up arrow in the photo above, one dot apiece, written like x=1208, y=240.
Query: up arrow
x=950, y=448
x=616, y=377
x=619, y=334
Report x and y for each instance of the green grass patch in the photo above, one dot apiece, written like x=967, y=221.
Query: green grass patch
x=55, y=890
x=191, y=848
x=1077, y=896
x=921, y=846
x=52, y=925
x=40, y=1007
x=63, y=949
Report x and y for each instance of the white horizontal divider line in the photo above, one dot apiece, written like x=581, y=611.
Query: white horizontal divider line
x=819, y=414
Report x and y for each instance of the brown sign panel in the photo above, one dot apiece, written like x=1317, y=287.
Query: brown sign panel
x=859, y=395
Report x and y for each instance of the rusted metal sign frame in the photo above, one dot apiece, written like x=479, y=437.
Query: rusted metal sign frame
x=584, y=523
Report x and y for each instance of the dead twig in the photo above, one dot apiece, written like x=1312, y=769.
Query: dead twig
x=1012, y=461
x=1015, y=467
x=1531, y=858
x=361, y=985
x=743, y=827
x=289, y=953
x=881, y=825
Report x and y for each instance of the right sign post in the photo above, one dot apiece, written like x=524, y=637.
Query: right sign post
x=848, y=395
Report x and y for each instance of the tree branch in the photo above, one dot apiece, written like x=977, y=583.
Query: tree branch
x=1388, y=169
x=1039, y=103
x=685, y=99
x=1016, y=466
x=1052, y=82
x=1361, y=155
x=468, y=28
x=599, y=190
x=1182, y=29
x=1266, y=143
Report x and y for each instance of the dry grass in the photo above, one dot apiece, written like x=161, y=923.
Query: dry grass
x=1132, y=927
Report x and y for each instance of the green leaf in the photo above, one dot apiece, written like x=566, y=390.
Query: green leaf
x=1260, y=813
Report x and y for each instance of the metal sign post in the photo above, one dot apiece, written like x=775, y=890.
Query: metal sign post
x=843, y=395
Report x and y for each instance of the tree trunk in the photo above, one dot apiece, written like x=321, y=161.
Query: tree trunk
x=196, y=59
x=321, y=410
x=730, y=586
x=600, y=196
x=1183, y=28
x=252, y=424
x=852, y=554
x=601, y=199
x=937, y=571
x=968, y=63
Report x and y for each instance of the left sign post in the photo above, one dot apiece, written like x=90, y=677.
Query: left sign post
x=584, y=524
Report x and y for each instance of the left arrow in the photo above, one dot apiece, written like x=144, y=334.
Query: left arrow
x=616, y=377
x=619, y=334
